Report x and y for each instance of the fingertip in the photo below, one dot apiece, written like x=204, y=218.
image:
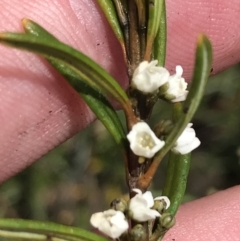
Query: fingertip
x=215, y=217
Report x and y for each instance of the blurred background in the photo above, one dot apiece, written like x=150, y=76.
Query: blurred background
x=86, y=173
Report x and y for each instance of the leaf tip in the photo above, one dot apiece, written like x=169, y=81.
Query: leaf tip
x=203, y=39
x=25, y=21
x=2, y=36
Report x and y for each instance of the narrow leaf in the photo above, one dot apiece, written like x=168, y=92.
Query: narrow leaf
x=35, y=29
x=110, y=12
x=100, y=106
x=160, y=42
x=174, y=188
x=176, y=181
x=76, y=61
x=155, y=12
x=94, y=99
x=35, y=230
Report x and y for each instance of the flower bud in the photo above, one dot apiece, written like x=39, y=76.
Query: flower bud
x=137, y=233
x=164, y=127
x=161, y=204
x=119, y=204
x=167, y=220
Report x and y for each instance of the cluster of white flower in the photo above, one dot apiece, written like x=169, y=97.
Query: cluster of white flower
x=143, y=141
x=114, y=223
x=148, y=78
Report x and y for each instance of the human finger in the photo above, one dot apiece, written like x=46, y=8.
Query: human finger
x=215, y=217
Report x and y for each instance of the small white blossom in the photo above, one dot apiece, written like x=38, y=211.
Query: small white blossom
x=143, y=141
x=110, y=222
x=187, y=141
x=148, y=77
x=177, y=86
x=140, y=206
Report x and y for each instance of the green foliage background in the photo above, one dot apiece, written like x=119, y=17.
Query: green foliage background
x=86, y=173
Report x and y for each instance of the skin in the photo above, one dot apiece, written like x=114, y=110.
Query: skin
x=39, y=110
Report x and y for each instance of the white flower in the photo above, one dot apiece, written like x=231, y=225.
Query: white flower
x=143, y=141
x=140, y=206
x=177, y=86
x=110, y=222
x=148, y=77
x=187, y=141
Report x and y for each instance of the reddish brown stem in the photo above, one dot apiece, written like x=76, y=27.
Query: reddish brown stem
x=145, y=180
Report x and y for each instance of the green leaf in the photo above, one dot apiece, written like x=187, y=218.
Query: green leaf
x=160, y=42
x=155, y=13
x=36, y=30
x=110, y=12
x=94, y=99
x=176, y=181
x=202, y=67
x=33, y=230
x=174, y=188
x=79, y=63
x=97, y=102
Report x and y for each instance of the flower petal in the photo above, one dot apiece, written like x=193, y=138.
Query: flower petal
x=138, y=202
x=137, y=190
x=149, y=199
x=143, y=215
x=120, y=225
x=96, y=219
